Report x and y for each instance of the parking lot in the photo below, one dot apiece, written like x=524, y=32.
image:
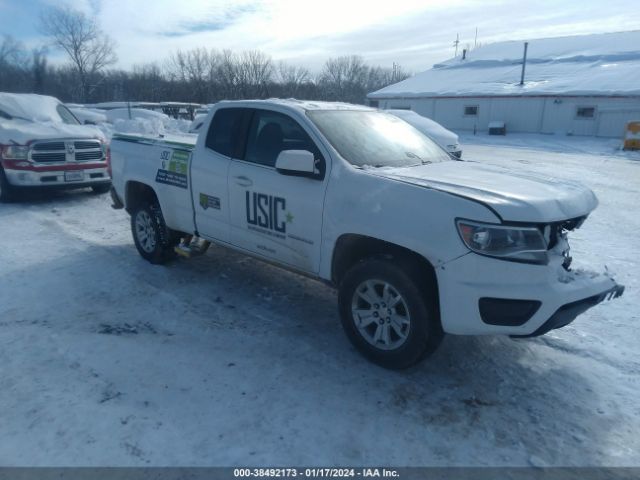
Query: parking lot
x=224, y=360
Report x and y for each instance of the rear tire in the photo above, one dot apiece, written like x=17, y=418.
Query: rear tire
x=154, y=241
x=6, y=190
x=389, y=312
x=101, y=188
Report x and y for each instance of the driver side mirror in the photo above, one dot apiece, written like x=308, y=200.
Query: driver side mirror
x=300, y=163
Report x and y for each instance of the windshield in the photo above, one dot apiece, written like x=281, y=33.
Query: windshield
x=66, y=115
x=376, y=139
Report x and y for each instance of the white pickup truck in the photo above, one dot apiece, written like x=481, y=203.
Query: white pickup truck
x=417, y=242
x=42, y=144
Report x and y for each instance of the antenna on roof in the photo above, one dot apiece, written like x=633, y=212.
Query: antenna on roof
x=456, y=43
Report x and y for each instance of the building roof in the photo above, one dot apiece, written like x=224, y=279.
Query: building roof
x=599, y=64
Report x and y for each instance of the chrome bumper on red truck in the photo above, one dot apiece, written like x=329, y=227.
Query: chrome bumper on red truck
x=59, y=163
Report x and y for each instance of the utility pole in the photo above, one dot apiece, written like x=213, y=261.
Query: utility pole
x=475, y=41
x=524, y=62
x=456, y=43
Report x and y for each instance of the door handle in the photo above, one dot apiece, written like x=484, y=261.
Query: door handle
x=243, y=181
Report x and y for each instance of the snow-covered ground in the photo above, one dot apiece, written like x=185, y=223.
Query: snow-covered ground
x=223, y=360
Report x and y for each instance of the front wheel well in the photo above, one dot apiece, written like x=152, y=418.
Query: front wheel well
x=137, y=193
x=351, y=249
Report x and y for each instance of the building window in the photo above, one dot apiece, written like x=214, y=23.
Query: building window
x=586, y=112
x=471, y=110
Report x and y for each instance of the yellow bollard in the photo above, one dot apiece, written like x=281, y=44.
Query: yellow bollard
x=632, y=136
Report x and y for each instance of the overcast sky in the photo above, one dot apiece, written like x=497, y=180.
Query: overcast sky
x=413, y=33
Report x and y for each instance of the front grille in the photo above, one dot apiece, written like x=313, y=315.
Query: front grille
x=48, y=146
x=86, y=145
x=84, y=156
x=66, y=152
x=49, y=157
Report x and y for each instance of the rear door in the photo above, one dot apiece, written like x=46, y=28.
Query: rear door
x=274, y=215
x=225, y=138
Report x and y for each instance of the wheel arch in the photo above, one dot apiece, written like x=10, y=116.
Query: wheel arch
x=136, y=192
x=352, y=248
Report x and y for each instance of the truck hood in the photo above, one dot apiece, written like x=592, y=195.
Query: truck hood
x=20, y=132
x=516, y=196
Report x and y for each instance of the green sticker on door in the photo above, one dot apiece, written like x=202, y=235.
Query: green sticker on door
x=207, y=201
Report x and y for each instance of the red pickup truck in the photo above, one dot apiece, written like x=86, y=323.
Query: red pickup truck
x=42, y=144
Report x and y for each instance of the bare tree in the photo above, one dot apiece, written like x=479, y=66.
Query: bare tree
x=344, y=78
x=292, y=78
x=89, y=49
x=11, y=51
x=379, y=77
x=228, y=74
x=193, y=67
x=255, y=70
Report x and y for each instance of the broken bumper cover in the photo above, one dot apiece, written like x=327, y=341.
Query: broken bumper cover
x=568, y=313
x=481, y=295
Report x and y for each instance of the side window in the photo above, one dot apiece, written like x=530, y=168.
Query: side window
x=227, y=131
x=271, y=133
x=585, y=112
x=471, y=111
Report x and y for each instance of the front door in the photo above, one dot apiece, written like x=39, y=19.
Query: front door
x=274, y=215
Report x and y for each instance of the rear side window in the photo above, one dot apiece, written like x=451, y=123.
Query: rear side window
x=227, y=131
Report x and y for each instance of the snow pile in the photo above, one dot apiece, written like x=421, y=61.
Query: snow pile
x=145, y=122
x=134, y=114
x=578, y=65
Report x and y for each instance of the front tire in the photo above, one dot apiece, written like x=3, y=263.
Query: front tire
x=154, y=241
x=389, y=312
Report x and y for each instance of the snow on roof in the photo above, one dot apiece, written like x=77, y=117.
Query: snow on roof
x=599, y=64
x=39, y=108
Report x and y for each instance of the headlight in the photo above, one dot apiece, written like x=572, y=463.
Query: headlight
x=15, y=152
x=523, y=244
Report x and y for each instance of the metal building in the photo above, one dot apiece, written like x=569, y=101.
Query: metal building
x=579, y=85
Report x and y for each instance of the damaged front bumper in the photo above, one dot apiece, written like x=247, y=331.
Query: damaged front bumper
x=568, y=313
x=481, y=295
